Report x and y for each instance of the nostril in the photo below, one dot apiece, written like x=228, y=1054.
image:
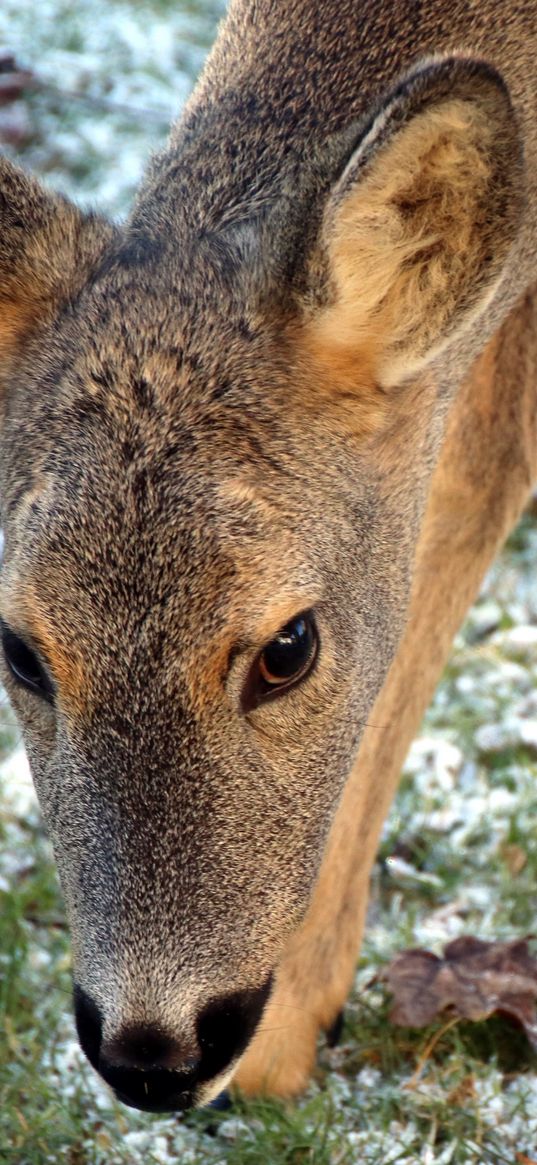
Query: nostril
x=148, y=1047
x=136, y=1046
x=154, y=1071
x=227, y=1025
x=89, y=1024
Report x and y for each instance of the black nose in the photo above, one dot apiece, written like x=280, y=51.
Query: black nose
x=137, y=1063
x=150, y=1069
x=226, y=1026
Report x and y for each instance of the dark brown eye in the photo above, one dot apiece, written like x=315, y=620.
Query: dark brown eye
x=285, y=660
x=24, y=665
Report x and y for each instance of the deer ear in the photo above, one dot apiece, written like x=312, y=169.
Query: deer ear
x=47, y=250
x=416, y=231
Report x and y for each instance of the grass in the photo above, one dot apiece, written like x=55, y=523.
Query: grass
x=459, y=852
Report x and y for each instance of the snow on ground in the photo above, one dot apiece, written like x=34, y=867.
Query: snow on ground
x=127, y=69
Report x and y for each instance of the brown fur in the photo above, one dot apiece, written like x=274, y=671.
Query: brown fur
x=407, y=242
x=468, y=515
x=301, y=377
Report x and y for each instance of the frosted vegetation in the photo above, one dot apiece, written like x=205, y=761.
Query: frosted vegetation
x=459, y=852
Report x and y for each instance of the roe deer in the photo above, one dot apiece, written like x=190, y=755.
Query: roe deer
x=259, y=445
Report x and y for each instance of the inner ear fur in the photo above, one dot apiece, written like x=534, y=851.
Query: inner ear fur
x=417, y=230
x=48, y=248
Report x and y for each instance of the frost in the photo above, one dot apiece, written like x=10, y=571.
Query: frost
x=518, y=642
x=368, y=1078
x=233, y=1128
x=405, y=872
x=434, y=762
x=513, y=732
x=16, y=784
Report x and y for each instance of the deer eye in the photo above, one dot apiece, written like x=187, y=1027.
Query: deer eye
x=24, y=665
x=284, y=661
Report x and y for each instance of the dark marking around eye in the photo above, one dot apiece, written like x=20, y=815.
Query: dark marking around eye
x=24, y=665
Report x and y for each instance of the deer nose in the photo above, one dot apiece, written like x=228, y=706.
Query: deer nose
x=147, y=1067
x=150, y=1069
x=145, y=1048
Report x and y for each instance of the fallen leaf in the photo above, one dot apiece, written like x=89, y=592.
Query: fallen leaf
x=13, y=80
x=473, y=979
x=515, y=858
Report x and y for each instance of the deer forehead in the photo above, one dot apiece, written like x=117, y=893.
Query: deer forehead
x=148, y=595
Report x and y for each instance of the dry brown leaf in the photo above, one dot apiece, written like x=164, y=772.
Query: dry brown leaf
x=515, y=858
x=14, y=81
x=473, y=979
